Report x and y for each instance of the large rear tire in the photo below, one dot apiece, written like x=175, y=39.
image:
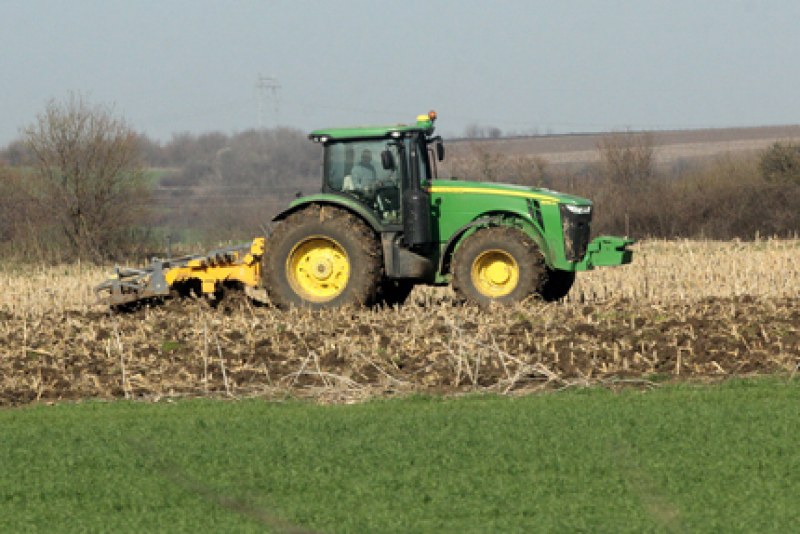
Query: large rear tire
x=498, y=264
x=322, y=257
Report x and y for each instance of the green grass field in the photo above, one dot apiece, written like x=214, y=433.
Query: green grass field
x=690, y=458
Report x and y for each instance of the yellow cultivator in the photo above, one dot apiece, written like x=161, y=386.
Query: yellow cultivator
x=205, y=274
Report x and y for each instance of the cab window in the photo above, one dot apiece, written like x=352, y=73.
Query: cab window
x=354, y=168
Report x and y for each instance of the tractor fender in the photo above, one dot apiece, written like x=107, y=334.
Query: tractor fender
x=489, y=219
x=343, y=202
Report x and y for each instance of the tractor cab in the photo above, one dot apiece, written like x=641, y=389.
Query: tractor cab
x=385, y=169
x=369, y=170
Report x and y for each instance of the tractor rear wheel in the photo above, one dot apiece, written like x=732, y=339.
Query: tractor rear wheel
x=322, y=257
x=498, y=264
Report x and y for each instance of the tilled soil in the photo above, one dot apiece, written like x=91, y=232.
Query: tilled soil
x=188, y=348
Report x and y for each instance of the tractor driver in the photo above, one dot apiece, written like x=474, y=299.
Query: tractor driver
x=363, y=174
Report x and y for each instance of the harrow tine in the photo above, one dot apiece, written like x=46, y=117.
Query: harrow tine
x=129, y=285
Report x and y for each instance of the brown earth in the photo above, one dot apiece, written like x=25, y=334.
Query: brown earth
x=432, y=345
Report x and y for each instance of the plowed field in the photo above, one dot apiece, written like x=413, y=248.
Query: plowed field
x=683, y=309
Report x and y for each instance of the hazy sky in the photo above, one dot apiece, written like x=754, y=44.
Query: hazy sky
x=172, y=66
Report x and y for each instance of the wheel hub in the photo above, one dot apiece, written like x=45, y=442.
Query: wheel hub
x=318, y=269
x=323, y=269
x=498, y=273
x=495, y=273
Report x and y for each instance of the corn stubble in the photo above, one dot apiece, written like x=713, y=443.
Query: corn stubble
x=683, y=309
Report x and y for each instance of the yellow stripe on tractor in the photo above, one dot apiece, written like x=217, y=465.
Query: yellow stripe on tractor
x=240, y=264
x=545, y=199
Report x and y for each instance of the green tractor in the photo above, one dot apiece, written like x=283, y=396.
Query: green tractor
x=383, y=223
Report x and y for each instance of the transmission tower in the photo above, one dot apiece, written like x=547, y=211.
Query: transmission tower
x=267, y=88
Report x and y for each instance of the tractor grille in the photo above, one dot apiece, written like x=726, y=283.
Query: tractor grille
x=577, y=228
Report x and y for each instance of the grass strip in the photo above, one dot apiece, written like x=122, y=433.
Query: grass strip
x=680, y=458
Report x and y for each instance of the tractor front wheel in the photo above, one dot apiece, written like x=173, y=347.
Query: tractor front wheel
x=322, y=257
x=498, y=264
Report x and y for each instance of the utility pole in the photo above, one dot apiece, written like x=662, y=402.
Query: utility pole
x=267, y=88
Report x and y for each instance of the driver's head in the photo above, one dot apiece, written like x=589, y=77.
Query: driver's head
x=366, y=156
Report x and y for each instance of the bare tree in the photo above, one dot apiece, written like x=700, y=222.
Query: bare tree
x=6, y=203
x=476, y=131
x=90, y=179
x=780, y=163
x=627, y=168
x=627, y=159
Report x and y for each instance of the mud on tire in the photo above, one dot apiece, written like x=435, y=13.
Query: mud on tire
x=322, y=257
x=498, y=264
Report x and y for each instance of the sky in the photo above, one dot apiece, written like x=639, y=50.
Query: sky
x=557, y=66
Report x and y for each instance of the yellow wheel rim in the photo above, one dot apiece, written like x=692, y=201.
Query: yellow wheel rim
x=318, y=269
x=495, y=273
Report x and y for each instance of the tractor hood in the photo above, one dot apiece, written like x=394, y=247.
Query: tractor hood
x=545, y=196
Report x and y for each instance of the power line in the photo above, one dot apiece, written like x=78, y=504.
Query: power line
x=267, y=88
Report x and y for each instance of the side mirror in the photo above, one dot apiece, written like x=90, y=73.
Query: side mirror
x=440, y=151
x=387, y=160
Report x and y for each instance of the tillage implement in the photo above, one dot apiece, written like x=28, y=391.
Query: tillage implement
x=384, y=222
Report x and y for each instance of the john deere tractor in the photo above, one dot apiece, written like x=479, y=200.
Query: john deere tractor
x=384, y=222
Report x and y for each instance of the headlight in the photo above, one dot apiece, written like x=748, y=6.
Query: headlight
x=578, y=210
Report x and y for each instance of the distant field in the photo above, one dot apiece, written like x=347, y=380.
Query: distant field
x=682, y=309
x=670, y=146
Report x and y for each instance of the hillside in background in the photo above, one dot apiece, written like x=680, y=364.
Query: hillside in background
x=670, y=146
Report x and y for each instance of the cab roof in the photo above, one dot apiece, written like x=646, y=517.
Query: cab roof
x=424, y=124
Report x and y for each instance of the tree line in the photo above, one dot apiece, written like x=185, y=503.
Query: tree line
x=82, y=184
